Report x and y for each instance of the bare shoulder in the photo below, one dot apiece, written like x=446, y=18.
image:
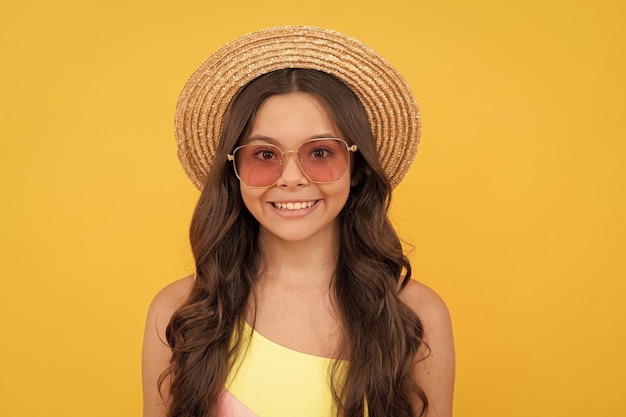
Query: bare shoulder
x=171, y=297
x=428, y=305
x=156, y=352
x=435, y=362
x=163, y=306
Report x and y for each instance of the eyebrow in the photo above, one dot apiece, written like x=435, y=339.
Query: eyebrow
x=277, y=143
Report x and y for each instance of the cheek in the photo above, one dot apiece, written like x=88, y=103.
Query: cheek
x=249, y=201
x=344, y=194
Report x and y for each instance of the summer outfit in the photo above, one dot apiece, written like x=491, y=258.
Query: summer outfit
x=270, y=380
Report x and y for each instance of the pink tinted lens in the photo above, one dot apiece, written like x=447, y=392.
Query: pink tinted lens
x=258, y=165
x=324, y=160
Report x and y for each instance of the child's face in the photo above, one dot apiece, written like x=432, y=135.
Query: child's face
x=295, y=208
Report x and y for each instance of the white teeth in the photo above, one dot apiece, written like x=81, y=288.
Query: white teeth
x=294, y=206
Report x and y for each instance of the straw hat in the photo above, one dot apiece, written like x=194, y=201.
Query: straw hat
x=391, y=108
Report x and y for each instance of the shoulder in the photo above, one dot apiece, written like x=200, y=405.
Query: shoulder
x=156, y=353
x=175, y=293
x=426, y=303
x=434, y=366
x=168, y=300
x=172, y=296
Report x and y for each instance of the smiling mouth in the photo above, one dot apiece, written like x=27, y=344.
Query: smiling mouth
x=295, y=206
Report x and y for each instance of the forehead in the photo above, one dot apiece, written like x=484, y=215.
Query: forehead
x=290, y=119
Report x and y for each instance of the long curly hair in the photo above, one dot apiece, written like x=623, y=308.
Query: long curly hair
x=380, y=334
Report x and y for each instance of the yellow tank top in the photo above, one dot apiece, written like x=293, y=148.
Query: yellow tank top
x=270, y=380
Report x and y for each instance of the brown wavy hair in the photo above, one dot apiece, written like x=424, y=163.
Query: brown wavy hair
x=380, y=334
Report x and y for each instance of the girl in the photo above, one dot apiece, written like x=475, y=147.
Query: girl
x=302, y=302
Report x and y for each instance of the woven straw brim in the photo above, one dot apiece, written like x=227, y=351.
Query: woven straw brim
x=391, y=108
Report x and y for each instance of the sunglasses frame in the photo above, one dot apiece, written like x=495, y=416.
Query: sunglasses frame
x=349, y=148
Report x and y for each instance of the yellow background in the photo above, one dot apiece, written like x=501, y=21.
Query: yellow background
x=515, y=205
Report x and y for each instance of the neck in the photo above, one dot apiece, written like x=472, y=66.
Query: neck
x=305, y=263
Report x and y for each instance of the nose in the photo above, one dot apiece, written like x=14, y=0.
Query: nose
x=292, y=174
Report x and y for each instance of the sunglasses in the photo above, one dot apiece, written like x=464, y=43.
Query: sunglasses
x=322, y=160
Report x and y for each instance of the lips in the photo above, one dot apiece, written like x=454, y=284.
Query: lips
x=298, y=205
